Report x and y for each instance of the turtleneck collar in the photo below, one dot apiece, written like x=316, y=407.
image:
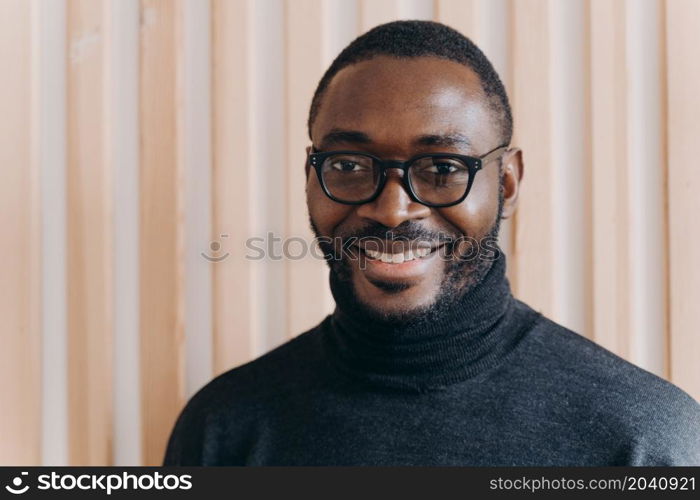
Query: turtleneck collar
x=472, y=336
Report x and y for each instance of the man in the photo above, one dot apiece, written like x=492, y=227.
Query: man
x=428, y=359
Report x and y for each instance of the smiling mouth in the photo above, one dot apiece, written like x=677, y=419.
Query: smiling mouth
x=399, y=257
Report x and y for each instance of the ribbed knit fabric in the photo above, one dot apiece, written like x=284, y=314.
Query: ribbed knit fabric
x=477, y=334
x=493, y=382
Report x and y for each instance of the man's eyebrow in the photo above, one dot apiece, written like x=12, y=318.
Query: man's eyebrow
x=444, y=140
x=337, y=135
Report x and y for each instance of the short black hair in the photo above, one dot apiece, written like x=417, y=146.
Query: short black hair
x=406, y=39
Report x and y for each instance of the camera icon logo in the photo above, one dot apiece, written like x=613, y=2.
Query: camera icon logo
x=17, y=483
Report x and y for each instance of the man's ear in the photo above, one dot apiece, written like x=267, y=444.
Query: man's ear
x=307, y=165
x=513, y=169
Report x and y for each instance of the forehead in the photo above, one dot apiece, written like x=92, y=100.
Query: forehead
x=395, y=100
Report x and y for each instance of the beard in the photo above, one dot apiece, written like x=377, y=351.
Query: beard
x=460, y=274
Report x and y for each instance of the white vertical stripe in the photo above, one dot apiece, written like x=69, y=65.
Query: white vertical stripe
x=646, y=184
x=268, y=170
x=340, y=27
x=196, y=141
x=568, y=145
x=49, y=79
x=122, y=18
x=416, y=9
x=493, y=34
x=494, y=41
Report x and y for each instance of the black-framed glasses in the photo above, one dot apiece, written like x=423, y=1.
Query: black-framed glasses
x=433, y=179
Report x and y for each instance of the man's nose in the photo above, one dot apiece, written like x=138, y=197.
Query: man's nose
x=393, y=205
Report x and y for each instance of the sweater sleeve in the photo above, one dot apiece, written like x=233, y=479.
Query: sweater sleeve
x=668, y=432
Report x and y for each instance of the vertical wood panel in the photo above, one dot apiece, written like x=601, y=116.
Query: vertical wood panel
x=340, y=27
x=269, y=168
x=122, y=28
x=646, y=175
x=89, y=241
x=195, y=142
x=20, y=369
x=106, y=150
x=570, y=146
x=161, y=257
x=374, y=12
x=462, y=15
x=609, y=160
x=533, y=246
x=417, y=9
x=683, y=19
x=308, y=276
x=49, y=148
x=232, y=182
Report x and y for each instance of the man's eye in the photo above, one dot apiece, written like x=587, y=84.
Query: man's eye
x=444, y=168
x=347, y=166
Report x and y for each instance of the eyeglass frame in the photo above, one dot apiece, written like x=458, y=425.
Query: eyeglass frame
x=473, y=163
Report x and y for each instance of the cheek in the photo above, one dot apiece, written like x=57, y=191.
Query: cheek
x=325, y=213
x=477, y=213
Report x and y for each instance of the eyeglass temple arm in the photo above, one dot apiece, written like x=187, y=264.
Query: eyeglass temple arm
x=492, y=155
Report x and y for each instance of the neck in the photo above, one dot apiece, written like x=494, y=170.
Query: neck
x=429, y=352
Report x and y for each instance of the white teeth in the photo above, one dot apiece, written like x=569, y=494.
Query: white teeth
x=397, y=258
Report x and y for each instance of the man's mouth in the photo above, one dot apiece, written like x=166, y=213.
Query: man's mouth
x=398, y=253
x=397, y=263
x=398, y=257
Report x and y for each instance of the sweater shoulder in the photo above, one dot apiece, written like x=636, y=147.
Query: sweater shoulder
x=276, y=365
x=235, y=398
x=267, y=371
x=659, y=420
x=562, y=349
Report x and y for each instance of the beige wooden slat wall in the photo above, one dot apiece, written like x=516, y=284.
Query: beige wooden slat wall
x=49, y=147
x=269, y=172
x=89, y=240
x=462, y=15
x=161, y=256
x=306, y=277
x=533, y=249
x=609, y=154
x=122, y=146
x=569, y=142
x=20, y=287
x=195, y=143
x=603, y=178
x=373, y=12
x=232, y=183
x=682, y=21
x=646, y=175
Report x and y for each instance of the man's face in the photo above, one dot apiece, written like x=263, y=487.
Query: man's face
x=396, y=109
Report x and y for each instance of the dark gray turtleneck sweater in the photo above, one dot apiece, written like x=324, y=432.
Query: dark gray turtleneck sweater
x=492, y=383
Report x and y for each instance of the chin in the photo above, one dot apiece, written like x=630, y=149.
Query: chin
x=397, y=302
